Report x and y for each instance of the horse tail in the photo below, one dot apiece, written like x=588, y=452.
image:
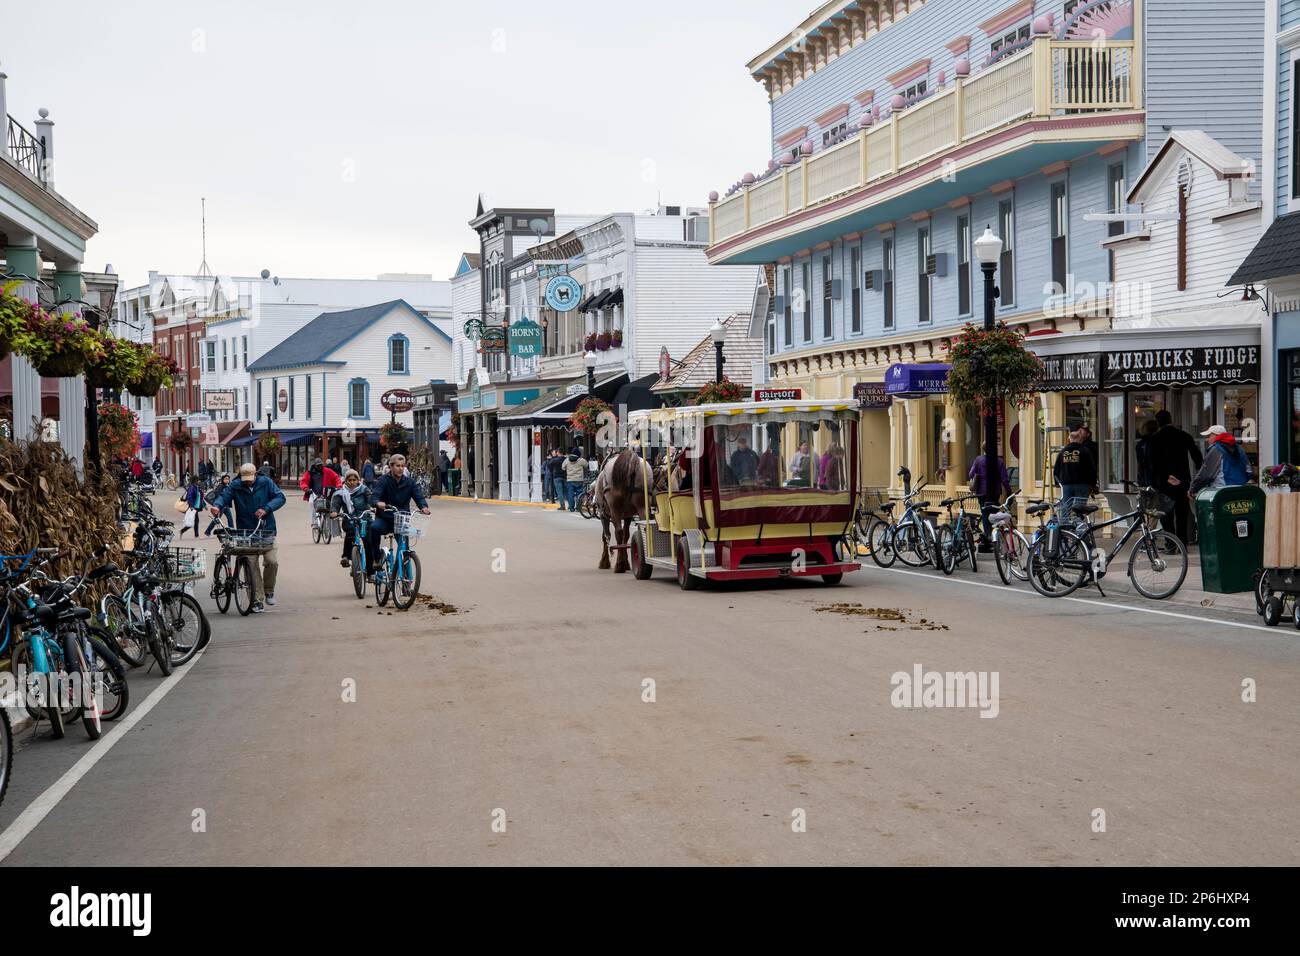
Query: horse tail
x=622, y=476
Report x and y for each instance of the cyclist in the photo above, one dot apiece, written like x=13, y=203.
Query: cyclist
x=317, y=482
x=394, y=491
x=255, y=499
x=348, y=502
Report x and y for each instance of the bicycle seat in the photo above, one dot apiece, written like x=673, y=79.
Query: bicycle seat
x=1038, y=508
x=947, y=503
x=1085, y=509
x=888, y=506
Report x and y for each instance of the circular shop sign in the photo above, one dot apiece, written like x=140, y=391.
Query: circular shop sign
x=563, y=293
x=284, y=400
x=397, y=400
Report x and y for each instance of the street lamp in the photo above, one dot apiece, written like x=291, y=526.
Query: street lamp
x=719, y=335
x=988, y=249
x=590, y=360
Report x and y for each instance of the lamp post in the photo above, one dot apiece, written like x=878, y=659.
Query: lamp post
x=589, y=360
x=719, y=335
x=988, y=249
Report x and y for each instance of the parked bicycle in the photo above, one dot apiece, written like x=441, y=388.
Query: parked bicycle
x=912, y=538
x=1010, y=547
x=1065, y=557
x=954, y=542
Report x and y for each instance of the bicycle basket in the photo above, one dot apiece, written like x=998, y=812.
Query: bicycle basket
x=411, y=525
x=184, y=564
x=253, y=542
x=322, y=503
x=1154, y=504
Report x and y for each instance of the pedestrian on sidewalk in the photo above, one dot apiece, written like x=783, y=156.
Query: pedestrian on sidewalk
x=255, y=499
x=1076, y=473
x=1142, y=451
x=193, y=498
x=554, y=472
x=225, y=512
x=348, y=502
x=444, y=472
x=368, y=474
x=990, y=492
x=1171, y=447
x=1225, y=462
x=575, y=477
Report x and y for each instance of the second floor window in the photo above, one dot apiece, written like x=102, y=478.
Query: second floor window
x=212, y=356
x=787, y=331
x=1006, y=267
x=357, y=399
x=224, y=360
x=887, y=283
x=1011, y=38
x=855, y=305
x=292, y=381
x=397, y=355
x=807, y=301
x=924, y=286
x=828, y=280
x=1060, y=237
x=963, y=265
x=244, y=363
x=834, y=132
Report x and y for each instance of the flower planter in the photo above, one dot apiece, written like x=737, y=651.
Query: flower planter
x=64, y=365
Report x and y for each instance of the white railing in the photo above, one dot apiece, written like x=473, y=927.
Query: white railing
x=1000, y=95
x=834, y=171
x=1050, y=79
x=929, y=128
x=767, y=201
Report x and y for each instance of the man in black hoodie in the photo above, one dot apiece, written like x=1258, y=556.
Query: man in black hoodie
x=1076, y=473
x=1170, y=448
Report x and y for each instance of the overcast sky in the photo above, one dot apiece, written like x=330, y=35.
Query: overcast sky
x=347, y=139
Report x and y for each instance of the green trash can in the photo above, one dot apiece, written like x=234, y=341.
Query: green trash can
x=453, y=481
x=1230, y=522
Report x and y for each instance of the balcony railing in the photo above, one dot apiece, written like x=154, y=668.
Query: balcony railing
x=25, y=148
x=1053, y=78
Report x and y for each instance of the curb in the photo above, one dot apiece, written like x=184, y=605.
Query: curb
x=496, y=501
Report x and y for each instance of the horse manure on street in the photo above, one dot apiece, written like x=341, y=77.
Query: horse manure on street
x=890, y=615
x=442, y=607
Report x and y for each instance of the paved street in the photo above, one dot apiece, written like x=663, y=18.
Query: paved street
x=529, y=699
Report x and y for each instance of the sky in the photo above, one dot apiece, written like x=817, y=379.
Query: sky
x=347, y=139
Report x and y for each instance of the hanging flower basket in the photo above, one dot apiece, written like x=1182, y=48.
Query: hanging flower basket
x=122, y=364
x=119, y=437
x=586, y=417
x=590, y=344
x=989, y=368
x=719, y=393
x=268, y=444
x=602, y=342
x=616, y=339
x=181, y=441
x=13, y=316
x=157, y=372
x=392, y=435
x=58, y=346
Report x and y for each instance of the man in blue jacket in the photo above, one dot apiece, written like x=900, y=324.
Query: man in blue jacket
x=255, y=499
x=394, y=491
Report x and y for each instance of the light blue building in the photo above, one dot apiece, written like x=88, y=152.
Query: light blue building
x=902, y=129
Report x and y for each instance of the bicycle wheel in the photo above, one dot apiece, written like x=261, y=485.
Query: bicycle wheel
x=6, y=751
x=111, y=675
x=159, y=641
x=382, y=589
x=244, y=586
x=971, y=550
x=325, y=533
x=1060, y=575
x=880, y=542
x=123, y=636
x=222, y=587
x=910, y=546
x=358, y=571
x=1262, y=590
x=84, y=685
x=945, y=549
x=1158, y=565
x=185, y=618
x=406, y=583
x=315, y=531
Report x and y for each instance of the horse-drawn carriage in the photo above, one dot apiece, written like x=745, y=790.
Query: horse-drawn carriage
x=747, y=490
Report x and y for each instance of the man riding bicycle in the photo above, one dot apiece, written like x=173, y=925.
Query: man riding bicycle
x=393, y=492
x=255, y=498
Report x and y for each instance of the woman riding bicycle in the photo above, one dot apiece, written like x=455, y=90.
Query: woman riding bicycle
x=348, y=502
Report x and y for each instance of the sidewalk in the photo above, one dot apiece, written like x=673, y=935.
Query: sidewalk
x=495, y=501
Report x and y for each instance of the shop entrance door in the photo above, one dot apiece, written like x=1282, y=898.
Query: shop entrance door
x=1142, y=408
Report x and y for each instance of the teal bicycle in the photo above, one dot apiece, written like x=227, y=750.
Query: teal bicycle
x=357, y=563
x=398, y=574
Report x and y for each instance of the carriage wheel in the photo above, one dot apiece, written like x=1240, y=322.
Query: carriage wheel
x=685, y=580
x=1272, y=611
x=641, y=568
x=833, y=579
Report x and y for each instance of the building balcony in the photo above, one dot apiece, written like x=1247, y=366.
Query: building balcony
x=1051, y=102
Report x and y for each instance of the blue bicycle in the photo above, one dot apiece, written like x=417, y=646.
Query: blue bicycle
x=398, y=573
x=357, y=563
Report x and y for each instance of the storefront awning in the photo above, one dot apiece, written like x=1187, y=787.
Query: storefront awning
x=229, y=432
x=598, y=303
x=916, y=380
x=1161, y=360
x=615, y=298
x=1277, y=253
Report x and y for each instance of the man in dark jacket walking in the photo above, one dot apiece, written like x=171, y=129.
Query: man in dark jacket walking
x=1170, y=448
x=255, y=499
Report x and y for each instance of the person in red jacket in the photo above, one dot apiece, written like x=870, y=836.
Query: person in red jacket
x=318, y=480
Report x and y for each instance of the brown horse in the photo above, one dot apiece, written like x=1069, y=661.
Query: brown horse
x=621, y=493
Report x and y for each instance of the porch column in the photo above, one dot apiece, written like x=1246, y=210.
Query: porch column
x=72, y=391
x=896, y=425
x=502, y=490
x=25, y=261
x=954, y=443
x=535, y=450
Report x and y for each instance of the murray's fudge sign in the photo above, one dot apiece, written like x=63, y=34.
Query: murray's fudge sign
x=1198, y=365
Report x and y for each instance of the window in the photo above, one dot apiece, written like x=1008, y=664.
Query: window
x=246, y=404
x=358, y=398
x=211, y=349
x=834, y=132
x=292, y=381
x=914, y=91
x=855, y=269
x=1295, y=130
x=963, y=266
x=888, y=283
x=1011, y=38
x=194, y=397
x=398, y=345
x=1071, y=6
x=1060, y=242
x=244, y=363
x=260, y=404
x=224, y=366
x=1115, y=196
x=771, y=337
x=275, y=398
x=788, y=329
x=308, y=397
x=828, y=279
x=924, y=287
x=807, y=301
x=1006, y=267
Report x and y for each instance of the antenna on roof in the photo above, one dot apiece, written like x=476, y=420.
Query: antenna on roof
x=203, y=268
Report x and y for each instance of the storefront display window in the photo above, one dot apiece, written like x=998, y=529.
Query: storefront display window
x=1112, y=444
x=1143, y=407
x=1239, y=406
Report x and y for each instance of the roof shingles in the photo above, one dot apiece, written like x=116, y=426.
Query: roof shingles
x=1276, y=254
x=318, y=339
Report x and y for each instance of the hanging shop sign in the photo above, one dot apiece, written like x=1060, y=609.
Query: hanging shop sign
x=1197, y=365
x=665, y=364
x=917, y=380
x=1073, y=372
x=871, y=395
x=218, y=401
x=526, y=338
x=198, y=420
x=778, y=394
x=397, y=400
x=493, y=339
x=563, y=293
